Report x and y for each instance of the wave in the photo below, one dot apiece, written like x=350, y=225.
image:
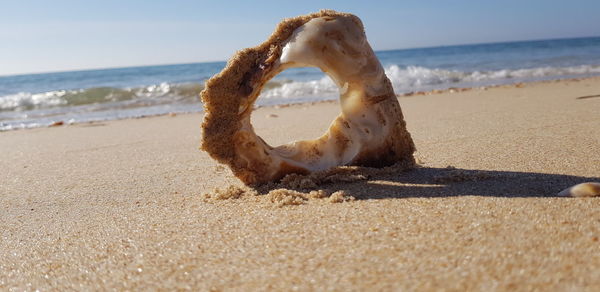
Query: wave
x=152, y=94
x=404, y=79
x=323, y=87
x=411, y=77
x=28, y=101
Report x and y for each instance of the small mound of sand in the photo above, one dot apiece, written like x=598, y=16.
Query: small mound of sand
x=279, y=197
x=340, y=196
x=285, y=197
x=318, y=194
x=230, y=192
x=296, y=189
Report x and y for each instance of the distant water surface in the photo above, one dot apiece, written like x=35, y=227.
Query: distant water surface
x=36, y=100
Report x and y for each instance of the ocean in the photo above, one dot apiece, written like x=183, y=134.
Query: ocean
x=37, y=100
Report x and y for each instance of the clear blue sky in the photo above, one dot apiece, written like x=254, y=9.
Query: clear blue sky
x=57, y=35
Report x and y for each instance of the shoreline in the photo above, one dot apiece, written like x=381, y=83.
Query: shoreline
x=403, y=95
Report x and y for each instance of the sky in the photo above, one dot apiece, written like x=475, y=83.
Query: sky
x=60, y=35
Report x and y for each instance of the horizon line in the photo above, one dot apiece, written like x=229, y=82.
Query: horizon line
x=219, y=61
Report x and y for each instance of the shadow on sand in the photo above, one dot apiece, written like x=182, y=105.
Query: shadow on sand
x=451, y=182
x=588, y=96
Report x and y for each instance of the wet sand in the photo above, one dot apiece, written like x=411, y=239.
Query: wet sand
x=123, y=205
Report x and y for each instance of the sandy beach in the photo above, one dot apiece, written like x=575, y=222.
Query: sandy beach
x=122, y=205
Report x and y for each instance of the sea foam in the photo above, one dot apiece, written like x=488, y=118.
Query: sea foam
x=416, y=78
x=26, y=109
x=413, y=78
x=404, y=79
